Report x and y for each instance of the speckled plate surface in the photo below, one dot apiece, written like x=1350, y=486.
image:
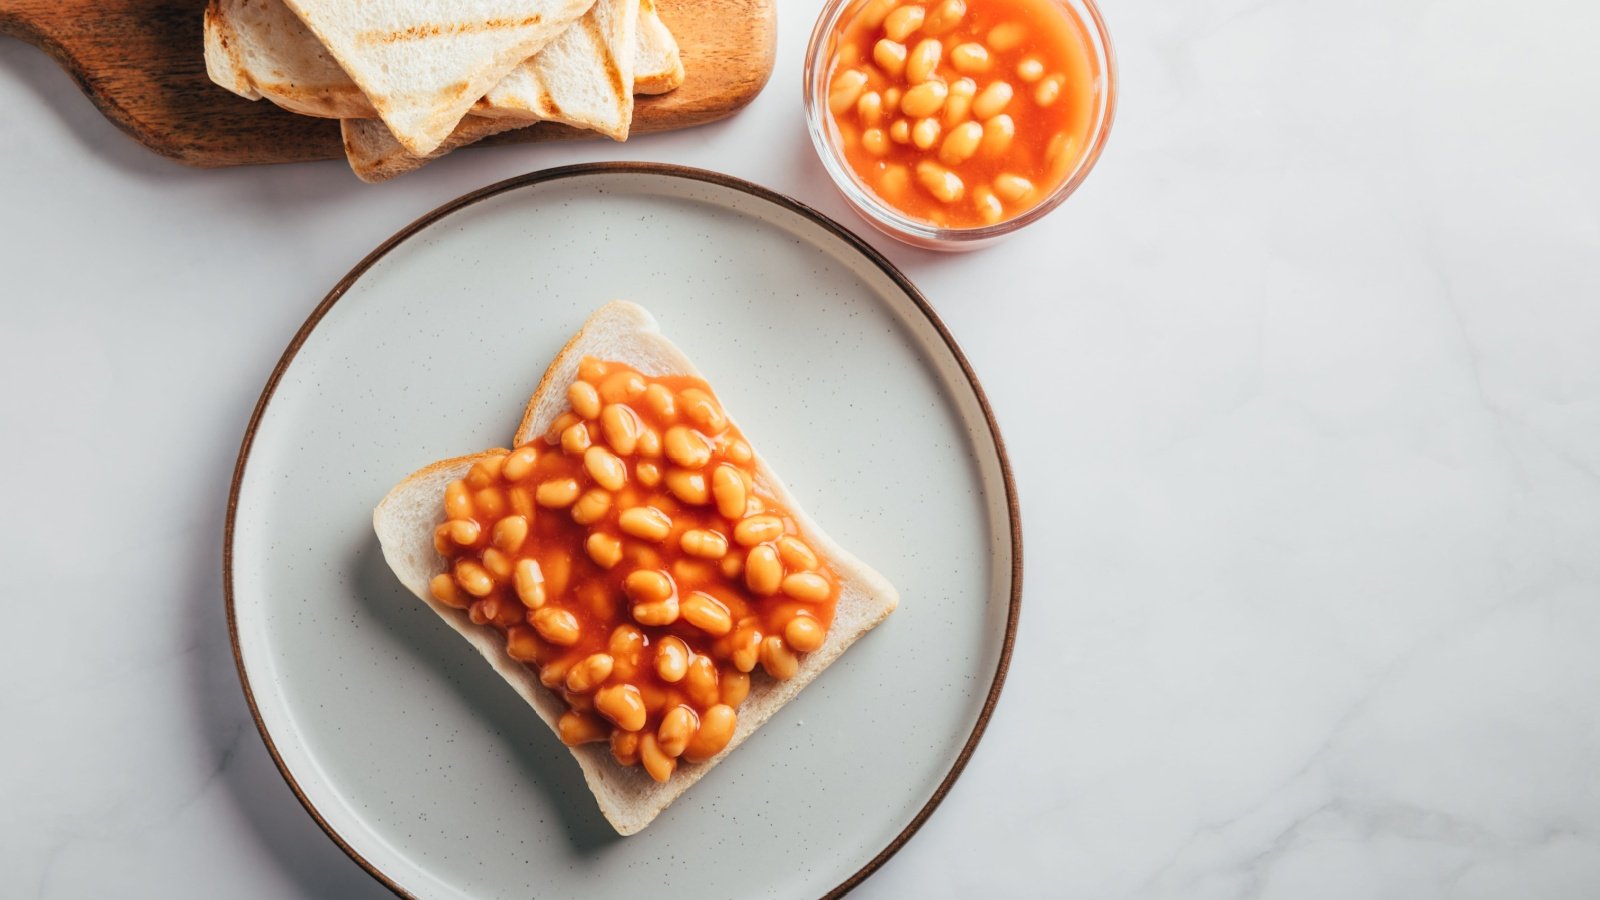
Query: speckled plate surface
x=412, y=754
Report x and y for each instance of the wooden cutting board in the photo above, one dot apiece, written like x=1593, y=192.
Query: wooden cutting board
x=142, y=63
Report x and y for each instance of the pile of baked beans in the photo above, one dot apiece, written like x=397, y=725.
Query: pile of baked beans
x=635, y=560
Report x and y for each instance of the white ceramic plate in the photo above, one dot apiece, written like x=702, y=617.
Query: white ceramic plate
x=409, y=751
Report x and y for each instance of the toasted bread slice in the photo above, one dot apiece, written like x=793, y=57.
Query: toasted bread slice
x=657, y=65
x=406, y=518
x=425, y=62
x=584, y=78
x=260, y=48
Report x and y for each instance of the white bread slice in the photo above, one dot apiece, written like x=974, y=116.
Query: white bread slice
x=406, y=518
x=584, y=78
x=260, y=48
x=423, y=63
x=657, y=65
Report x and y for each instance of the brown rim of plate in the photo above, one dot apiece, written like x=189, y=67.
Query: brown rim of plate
x=691, y=174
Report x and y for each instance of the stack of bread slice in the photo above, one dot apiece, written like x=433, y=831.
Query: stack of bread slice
x=411, y=81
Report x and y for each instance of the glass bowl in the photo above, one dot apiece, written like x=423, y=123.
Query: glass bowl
x=917, y=232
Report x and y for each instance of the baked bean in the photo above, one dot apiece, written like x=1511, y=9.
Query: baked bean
x=891, y=102
x=592, y=506
x=658, y=764
x=807, y=586
x=645, y=523
x=846, y=90
x=691, y=571
x=716, y=730
x=939, y=181
x=776, y=657
x=762, y=571
x=925, y=133
x=605, y=468
x=1030, y=69
x=457, y=501
x=958, y=107
x=701, y=682
x=706, y=613
x=521, y=500
x=489, y=503
x=473, y=578
x=869, y=109
x=945, y=17
x=557, y=493
x=575, y=438
x=621, y=426
x=890, y=55
x=686, y=447
x=528, y=580
x=577, y=728
x=876, y=10
x=604, y=549
x=522, y=644
x=648, y=586
x=672, y=659
x=592, y=370
x=677, y=729
x=463, y=531
x=745, y=648
x=900, y=24
x=689, y=486
x=498, y=564
x=521, y=461
x=989, y=208
x=923, y=60
x=876, y=142
x=960, y=143
x=1012, y=188
x=648, y=473
x=584, y=398
x=626, y=642
x=997, y=135
x=1008, y=36
x=442, y=544
x=757, y=530
x=925, y=99
x=658, y=613
x=795, y=553
x=553, y=674
x=625, y=747
x=1046, y=92
x=735, y=687
x=970, y=58
x=649, y=442
x=993, y=100
x=620, y=387
x=510, y=533
x=702, y=543
x=446, y=591
x=804, y=633
x=557, y=626
x=622, y=705
x=588, y=673
x=727, y=485
x=702, y=410
x=900, y=131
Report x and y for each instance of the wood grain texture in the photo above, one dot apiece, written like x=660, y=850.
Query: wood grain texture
x=141, y=62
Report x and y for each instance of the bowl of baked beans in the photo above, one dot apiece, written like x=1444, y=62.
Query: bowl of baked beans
x=948, y=124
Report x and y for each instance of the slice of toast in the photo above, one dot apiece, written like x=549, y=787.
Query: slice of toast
x=260, y=48
x=424, y=63
x=584, y=78
x=405, y=521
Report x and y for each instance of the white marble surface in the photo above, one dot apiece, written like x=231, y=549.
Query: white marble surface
x=1302, y=391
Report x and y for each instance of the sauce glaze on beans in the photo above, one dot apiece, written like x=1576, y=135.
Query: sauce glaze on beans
x=961, y=112
x=632, y=558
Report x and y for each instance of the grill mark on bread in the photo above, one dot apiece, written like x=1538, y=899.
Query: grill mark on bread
x=423, y=32
x=548, y=103
x=613, y=74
